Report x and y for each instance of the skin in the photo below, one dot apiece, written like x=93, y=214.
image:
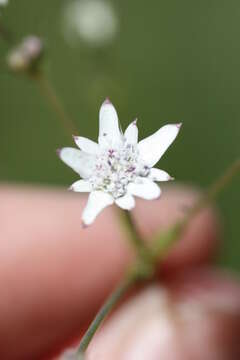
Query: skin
x=54, y=275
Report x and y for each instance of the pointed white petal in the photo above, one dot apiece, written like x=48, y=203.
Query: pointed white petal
x=153, y=147
x=159, y=175
x=81, y=186
x=126, y=202
x=144, y=188
x=87, y=145
x=97, y=201
x=131, y=133
x=109, y=132
x=78, y=160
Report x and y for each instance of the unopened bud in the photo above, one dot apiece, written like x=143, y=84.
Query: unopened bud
x=26, y=55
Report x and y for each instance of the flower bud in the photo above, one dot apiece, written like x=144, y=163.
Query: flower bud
x=26, y=55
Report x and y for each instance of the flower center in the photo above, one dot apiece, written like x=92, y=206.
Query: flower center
x=116, y=168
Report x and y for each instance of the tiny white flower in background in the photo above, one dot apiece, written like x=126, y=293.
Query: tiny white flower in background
x=93, y=21
x=3, y=2
x=118, y=167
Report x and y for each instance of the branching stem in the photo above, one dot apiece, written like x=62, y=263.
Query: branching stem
x=144, y=267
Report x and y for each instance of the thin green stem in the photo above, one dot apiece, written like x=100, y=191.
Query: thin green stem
x=143, y=268
x=49, y=93
x=104, y=311
x=5, y=34
x=163, y=241
x=215, y=189
x=133, y=234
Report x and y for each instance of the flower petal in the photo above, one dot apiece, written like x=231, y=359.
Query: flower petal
x=153, y=147
x=97, y=201
x=144, y=188
x=81, y=186
x=131, y=133
x=126, y=202
x=78, y=160
x=109, y=132
x=87, y=145
x=159, y=175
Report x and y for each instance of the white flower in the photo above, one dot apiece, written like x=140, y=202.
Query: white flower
x=93, y=21
x=118, y=167
x=3, y=2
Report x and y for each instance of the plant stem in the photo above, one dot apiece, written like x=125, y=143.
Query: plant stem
x=48, y=92
x=162, y=242
x=133, y=234
x=215, y=189
x=5, y=34
x=104, y=311
x=143, y=269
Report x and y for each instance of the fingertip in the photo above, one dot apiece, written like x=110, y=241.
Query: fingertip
x=209, y=287
x=196, y=315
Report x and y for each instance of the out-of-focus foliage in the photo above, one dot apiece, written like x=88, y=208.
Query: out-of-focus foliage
x=170, y=61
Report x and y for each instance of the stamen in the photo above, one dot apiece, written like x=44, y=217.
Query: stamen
x=116, y=168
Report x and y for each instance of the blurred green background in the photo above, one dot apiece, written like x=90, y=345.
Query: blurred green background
x=170, y=61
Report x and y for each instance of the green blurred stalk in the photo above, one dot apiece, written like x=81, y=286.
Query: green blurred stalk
x=48, y=92
x=163, y=241
x=104, y=311
x=132, y=232
x=5, y=34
